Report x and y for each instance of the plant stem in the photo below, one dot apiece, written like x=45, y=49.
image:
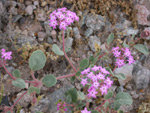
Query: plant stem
x=66, y=54
x=9, y=73
x=32, y=74
x=19, y=99
x=65, y=76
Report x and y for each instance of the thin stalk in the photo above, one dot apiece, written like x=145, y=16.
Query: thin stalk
x=32, y=74
x=19, y=99
x=66, y=54
x=9, y=73
x=66, y=76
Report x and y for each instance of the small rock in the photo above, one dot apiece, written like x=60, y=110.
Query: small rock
x=41, y=106
x=126, y=108
x=127, y=71
x=1, y=8
x=41, y=36
x=36, y=3
x=48, y=29
x=76, y=33
x=57, y=95
x=13, y=11
x=141, y=76
x=49, y=40
x=134, y=94
x=96, y=22
x=94, y=40
x=68, y=43
x=88, y=32
x=44, y=3
x=147, y=62
x=29, y=10
x=53, y=34
x=41, y=15
x=131, y=31
x=25, y=100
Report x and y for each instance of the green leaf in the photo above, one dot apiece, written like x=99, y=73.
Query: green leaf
x=122, y=98
x=37, y=60
x=81, y=95
x=57, y=50
x=106, y=104
x=9, y=112
x=78, y=73
x=20, y=83
x=94, y=111
x=93, y=59
x=84, y=63
x=33, y=89
x=109, y=95
x=125, y=45
x=80, y=104
x=73, y=94
x=142, y=48
x=120, y=111
x=73, y=78
x=109, y=69
x=49, y=80
x=120, y=76
x=16, y=73
x=110, y=38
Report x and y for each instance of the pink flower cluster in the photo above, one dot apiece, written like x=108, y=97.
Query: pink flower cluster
x=61, y=106
x=62, y=18
x=123, y=55
x=96, y=78
x=6, y=55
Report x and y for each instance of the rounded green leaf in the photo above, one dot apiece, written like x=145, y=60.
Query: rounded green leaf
x=78, y=73
x=20, y=83
x=122, y=98
x=110, y=38
x=49, y=80
x=16, y=73
x=84, y=63
x=109, y=95
x=57, y=50
x=33, y=89
x=120, y=76
x=142, y=48
x=37, y=60
x=81, y=95
x=73, y=94
x=94, y=111
x=106, y=104
x=125, y=45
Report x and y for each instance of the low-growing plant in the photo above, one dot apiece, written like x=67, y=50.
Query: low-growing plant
x=96, y=80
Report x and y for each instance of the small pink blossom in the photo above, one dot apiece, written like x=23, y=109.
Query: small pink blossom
x=90, y=75
x=108, y=82
x=84, y=82
x=117, y=53
x=100, y=76
x=119, y=62
x=6, y=55
x=92, y=93
x=115, y=49
x=85, y=111
x=127, y=52
x=95, y=68
x=85, y=71
x=104, y=89
x=104, y=71
x=96, y=84
x=130, y=60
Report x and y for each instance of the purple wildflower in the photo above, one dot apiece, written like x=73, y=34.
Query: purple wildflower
x=104, y=89
x=119, y=62
x=84, y=82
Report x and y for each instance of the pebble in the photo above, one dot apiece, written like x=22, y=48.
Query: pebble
x=76, y=33
x=41, y=15
x=49, y=40
x=94, y=40
x=41, y=36
x=53, y=34
x=29, y=10
x=141, y=76
x=127, y=71
x=1, y=8
x=88, y=32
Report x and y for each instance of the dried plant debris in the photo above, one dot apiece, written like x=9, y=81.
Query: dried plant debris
x=105, y=7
